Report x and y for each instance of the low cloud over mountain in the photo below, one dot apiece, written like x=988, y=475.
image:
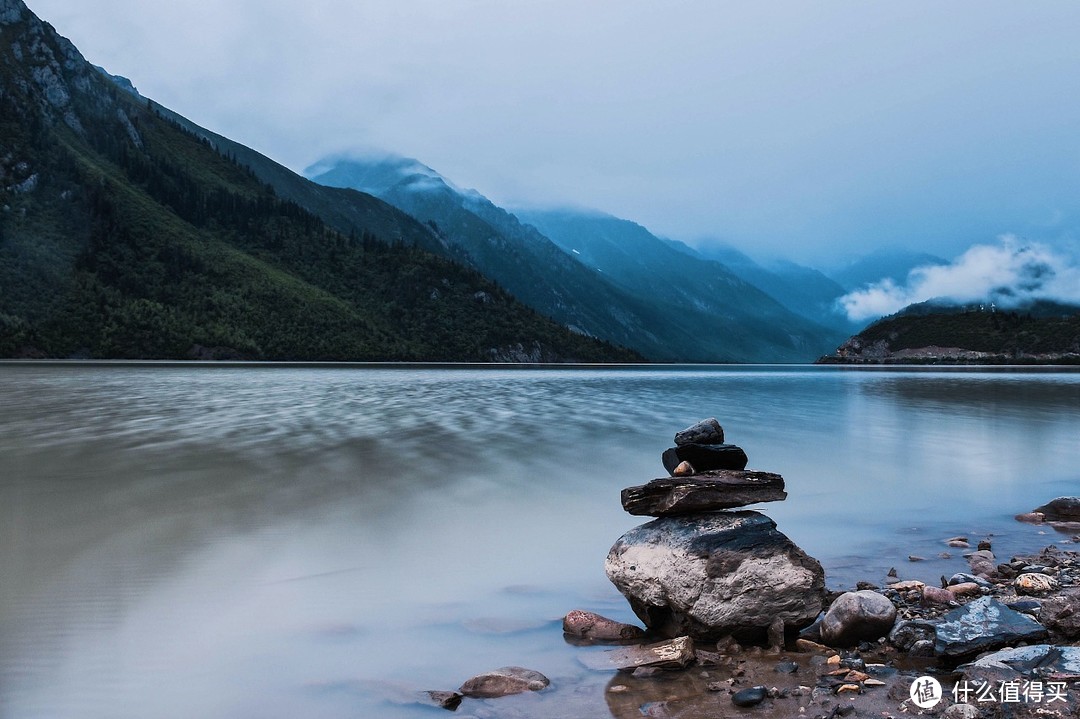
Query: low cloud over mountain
x=1011, y=274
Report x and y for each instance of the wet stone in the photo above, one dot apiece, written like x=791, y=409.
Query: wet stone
x=588, y=625
x=749, y=697
x=707, y=431
x=503, y=682
x=983, y=625
x=704, y=492
x=705, y=457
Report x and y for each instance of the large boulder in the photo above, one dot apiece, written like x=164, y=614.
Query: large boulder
x=704, y=457
x=857, y=617
x=711, y=575
x=705, y=492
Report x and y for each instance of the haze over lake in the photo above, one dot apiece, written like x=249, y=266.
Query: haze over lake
x=294, y=541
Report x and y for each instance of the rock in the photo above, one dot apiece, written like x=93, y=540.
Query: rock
x=705, y=492
x=1027, y=606
x=685, y=469
x=963, y=577
x=671, y=654
x=935, y=595
x=1061, y=614
x=959, y=543
x=982, y=562
x=1034, y=583
x=1034, y=660
x=907, y=584
x=965, y=589
x=1031, y=517
x=1062, y=509
x=915, y=558
x=806, y=645
x=749, y=697
x=857, y=616
x=906, y=633
x=775, y=635
x=705, y=457
x=444, y=700
x=707, y=431
x=984, y=545
x=786, y=668
x=983, y=625
x=503, y=682
x=708, y=575
x=588, y=625
x=962, y=711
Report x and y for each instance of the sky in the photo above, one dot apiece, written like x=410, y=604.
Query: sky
x=811, y=131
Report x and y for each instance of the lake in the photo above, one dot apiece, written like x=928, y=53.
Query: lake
x=296, y=541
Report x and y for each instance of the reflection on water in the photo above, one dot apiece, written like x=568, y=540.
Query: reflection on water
x=279, y=542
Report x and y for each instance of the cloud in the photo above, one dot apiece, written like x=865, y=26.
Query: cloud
x=1010, y=274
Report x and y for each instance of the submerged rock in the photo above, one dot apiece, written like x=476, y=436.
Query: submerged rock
x=749, y=697
x=982, y=625
x=857, y=617
x=443, y=699
x=672, y=654
x=705, y=457
x=503, y=682
x=588, y=625
x=709, y=575
x=707, y=431
x=710, y=491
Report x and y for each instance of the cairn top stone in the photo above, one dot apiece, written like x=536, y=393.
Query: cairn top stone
x=707, y=431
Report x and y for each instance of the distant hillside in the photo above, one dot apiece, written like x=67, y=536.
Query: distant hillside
x=889, y=263
x=803, y=290
x=966, y=336
x=126, y=234
x=730, y=310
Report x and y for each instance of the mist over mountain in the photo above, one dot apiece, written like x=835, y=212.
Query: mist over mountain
x=887, y=263
x=126, y=232
x=637, y=301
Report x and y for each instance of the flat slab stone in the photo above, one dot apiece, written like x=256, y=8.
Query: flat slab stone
x=1036, y=660
x=671, y=654
x=705, y=457
x=983, y=625
x=589, y=625
x=703, y=492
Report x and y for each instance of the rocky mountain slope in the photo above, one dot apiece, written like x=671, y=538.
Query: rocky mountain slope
x=126, y=234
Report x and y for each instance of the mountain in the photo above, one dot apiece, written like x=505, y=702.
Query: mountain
x=932, y=333
x=803, y=290
x=124, y=233
x=888, y=263
x=714, y=294
x=735, y=322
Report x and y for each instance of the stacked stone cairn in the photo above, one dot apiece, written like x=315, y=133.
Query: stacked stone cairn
x=706, y=569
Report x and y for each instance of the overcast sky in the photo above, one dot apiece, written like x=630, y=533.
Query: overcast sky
x=807, y=129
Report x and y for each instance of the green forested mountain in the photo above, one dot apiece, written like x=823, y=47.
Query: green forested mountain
x=929, y=333
x=123, y=234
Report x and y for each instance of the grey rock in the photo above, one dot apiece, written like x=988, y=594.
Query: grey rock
x=964, y=578
x=705, y=457
x=983, y=625
x=589, y=625
x=1061, y=613
x=503, y=682
x=749, y=697
x=670, y=654
x=1062, y=509
x=707, y=431
x=904, y=635
x=981, y=562
x=705, y=492
x=1034, y=660
x=962, y=711
x=709, y=575
x=856, y=617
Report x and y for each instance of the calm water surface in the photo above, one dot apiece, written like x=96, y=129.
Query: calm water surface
x=319, y=542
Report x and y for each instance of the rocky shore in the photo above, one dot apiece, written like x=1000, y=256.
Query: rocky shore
x=737, y=620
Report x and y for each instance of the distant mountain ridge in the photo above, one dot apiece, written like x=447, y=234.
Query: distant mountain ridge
x=716, y=317
x=128, y=232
